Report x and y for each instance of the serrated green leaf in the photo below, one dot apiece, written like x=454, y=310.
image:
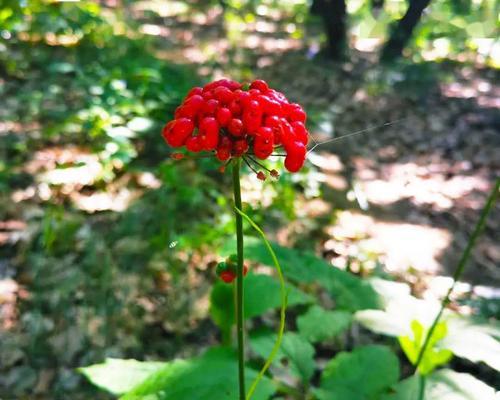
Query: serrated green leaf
x=262, y=293
x=295, y=350
x=318, y=324
x=213, y=376
x=349, y=291
x=119, y=376
x=359, y=375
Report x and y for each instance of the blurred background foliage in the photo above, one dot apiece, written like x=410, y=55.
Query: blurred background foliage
x=107, y=246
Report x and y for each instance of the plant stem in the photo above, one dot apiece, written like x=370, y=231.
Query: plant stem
x=277, y=344
x=421, y=389
x=461, y=265
x=239, y=278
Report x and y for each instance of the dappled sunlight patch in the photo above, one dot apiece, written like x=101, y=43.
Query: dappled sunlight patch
x=8, y=303
x=486, y=94
x=424, y=185
x=400, y=245
x=256, y=192
x=11, y=231
x=105, y=201
x=162, y=8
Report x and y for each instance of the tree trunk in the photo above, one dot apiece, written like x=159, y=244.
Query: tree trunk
x=334, y=15
x=403, y=30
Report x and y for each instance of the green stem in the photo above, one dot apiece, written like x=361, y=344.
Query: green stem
x=421, y=389
x=461, y=265
x=284, y=300
x=239, y=278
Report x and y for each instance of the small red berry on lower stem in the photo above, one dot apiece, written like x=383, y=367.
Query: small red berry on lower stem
x=261, y=175
x=227, y=276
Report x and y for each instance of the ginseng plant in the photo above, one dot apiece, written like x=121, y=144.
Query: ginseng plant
x=241, y=123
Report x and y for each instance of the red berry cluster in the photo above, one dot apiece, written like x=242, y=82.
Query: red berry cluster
x=233, y=122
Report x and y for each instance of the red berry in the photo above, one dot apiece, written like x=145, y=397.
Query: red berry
x=178, y=112
x=167, y=133
x=235, y=127
x=193, y=91
x=177, y=156
x=183, y=127
x=270, y=106
x=193, y=144
x=275, y=174
x=240, y=147
x=296, y=155
x=278, y=96
x=243, y=97
x=259, y=85
x=254, y=106
x=254, y=93
x=265, y=135
x=223, y=116
x=177, y=131
x=223, y=154
x=296, y=113
x=210, y=107
x=228, y=83
x=252, y=116
x=224, y=149
x=272, y=121
x=300, y=132
x=192, y=105
x=235, y=108
x=287, y=133
x=228, y=276
x=293, y=164
x=223, y=94
x=261, y=175
x=207, y=94
x=262, y=151
x=208, y=133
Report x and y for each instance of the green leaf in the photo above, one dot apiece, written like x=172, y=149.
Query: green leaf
x=432, y=357
x=359, y=375
x=318, y=324
x=209, y=377
x=119, y=376
x=262, y=293
x=444, y=384
x=295, y=351
x=349, y=291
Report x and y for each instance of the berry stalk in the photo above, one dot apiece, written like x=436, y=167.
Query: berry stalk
x=239, y=278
